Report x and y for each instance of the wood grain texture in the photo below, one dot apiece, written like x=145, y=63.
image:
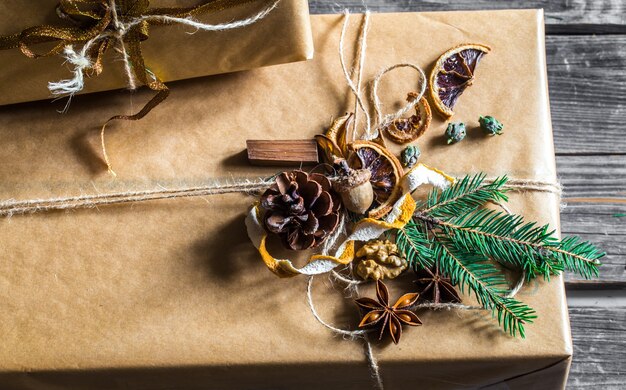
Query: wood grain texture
x=595, y=194
x=599, y=336
x=587, y=81
x=282, y=152
x=562, y=16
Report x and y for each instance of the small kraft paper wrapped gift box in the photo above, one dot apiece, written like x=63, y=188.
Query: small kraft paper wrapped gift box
x=170, y=50
x=172, y=294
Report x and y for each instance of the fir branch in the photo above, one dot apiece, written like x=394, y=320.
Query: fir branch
x=507, y=238
x=471, y=271
x=475, y=273
x=453, y=230
x=502, y=236
x=413, y=242
x=465, y=195
x=578, y=256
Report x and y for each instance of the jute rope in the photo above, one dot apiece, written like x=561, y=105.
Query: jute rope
x=82, y=61
x=16, y=207
x=383, y=121
x=520, y=185
x=355, y=88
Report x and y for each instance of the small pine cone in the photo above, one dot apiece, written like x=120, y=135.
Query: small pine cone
x=301, y=208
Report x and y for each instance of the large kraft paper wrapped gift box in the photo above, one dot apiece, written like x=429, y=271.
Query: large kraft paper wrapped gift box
x=171, y=294
x=171, y=52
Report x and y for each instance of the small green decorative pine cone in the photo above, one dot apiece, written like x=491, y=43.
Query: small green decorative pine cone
x=490, y=125
x=455, y=132
x=410, y=155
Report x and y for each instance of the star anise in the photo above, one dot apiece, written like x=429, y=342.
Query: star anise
x=436, y=287
x=381, y=315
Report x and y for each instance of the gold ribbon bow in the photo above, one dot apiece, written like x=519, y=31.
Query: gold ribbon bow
x=108, y=21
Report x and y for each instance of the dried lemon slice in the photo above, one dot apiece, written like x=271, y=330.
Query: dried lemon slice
x=386, y=174
x=404, y=130
x=452, y=73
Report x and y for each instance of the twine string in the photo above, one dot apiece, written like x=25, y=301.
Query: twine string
x=82, y=60
x=383, y=121
x=521, y=185
x=362, y=45
x=362, y=48
x=120, y=30
x=15, y=207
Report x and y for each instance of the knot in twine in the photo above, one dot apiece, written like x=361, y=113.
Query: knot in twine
x=120, y=24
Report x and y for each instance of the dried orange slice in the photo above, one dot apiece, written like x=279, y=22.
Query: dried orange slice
x=333, y=141
x=386, y=174
x=452, y=73
x=404, y=130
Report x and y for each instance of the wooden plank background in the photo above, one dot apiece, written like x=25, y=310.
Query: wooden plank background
x=586, y=55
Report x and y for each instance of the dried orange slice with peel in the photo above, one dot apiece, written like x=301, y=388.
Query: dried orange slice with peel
x=386, y=173
x=333, y=141
x=405, y=130
x=453, y=73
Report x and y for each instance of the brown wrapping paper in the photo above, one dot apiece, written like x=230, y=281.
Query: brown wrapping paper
x=171, y=294
x=170, y=52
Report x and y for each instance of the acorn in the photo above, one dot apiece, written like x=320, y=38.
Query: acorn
x=354, y=187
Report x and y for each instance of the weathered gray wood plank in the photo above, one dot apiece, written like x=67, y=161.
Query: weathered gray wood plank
x=599, y=336
x=595, y=194
x=596, y=223
x=562, y=16
x=587, y=81
x=593, y=176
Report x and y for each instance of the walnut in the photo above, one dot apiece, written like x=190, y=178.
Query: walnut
x=380, y=260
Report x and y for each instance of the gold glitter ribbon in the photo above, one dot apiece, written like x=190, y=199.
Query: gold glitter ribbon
x=89, y=19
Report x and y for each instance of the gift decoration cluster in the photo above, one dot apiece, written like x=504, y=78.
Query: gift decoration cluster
x=454, y=243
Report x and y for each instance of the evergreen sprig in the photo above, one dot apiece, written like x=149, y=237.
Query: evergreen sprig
x=466, y=195
x=505, y=238
x=473, y=272
x=454, y=230
x=414, y=243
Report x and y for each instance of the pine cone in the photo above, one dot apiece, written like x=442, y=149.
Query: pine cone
x=302, y=209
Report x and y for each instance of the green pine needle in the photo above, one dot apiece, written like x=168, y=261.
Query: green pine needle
x=465, y=195
x=473, y=272
x=412, y=240
x=508, y=239
x=453, y=229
